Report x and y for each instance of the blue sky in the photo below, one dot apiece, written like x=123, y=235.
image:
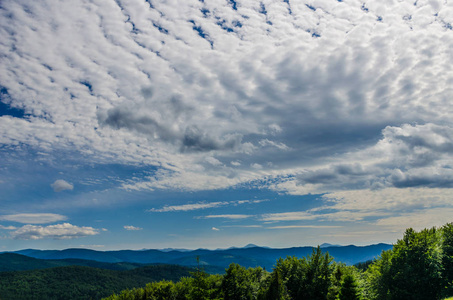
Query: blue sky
x=135, y=124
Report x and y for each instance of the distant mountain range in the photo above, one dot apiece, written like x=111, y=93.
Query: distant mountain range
x=94, y=274
x=248, y=256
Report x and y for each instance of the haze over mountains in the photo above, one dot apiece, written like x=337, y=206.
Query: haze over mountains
x=248, y=256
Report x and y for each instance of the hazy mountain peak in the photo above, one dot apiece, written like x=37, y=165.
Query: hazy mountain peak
x=326, y=245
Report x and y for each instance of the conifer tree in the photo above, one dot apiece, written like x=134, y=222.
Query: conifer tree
x=349, y=289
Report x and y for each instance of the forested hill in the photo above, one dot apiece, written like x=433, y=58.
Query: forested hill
x=247, y=257
x=79, y=282
x=18, y=262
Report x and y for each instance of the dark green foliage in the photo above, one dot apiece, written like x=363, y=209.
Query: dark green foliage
x=235, y=283
x=377, y=279
x=314, y=277
x=336, y=280
x=286, y=277
x=363, y=266
x=277, y=289
x=317, y=278
x=447, y=259
x=77, y=282
x=416, y=268
x=349, y=289
x=302, y=278
x=202, y=286
x=18, y=262
x=240, y=283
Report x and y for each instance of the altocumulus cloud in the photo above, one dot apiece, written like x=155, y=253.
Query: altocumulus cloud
x=58, y=231
x=307, y=97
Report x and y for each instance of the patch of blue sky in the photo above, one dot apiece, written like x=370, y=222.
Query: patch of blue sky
x=196, y=222
x=224, y=26
x=201, y=32
x=35, y=172
x=6, y=109
x=311, y=7
x=205, y=12
x=160, y=28
x=233, y=4
x=250, y=201
x=88, y=85
x=263, y=9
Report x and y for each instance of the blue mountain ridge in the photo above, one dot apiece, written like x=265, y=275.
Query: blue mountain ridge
x=249, y=256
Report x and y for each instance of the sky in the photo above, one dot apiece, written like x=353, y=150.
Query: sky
x=132, y=124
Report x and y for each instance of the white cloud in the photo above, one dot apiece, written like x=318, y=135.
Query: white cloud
x=406, y=156
x=203, y=205
x=213, y=161
x=392, y=210
x=36, y=218
x=238, y=202
x=315, y=214
x=59, y=231
x=189, y=207
x=256, y=166
x=8, y=227
x=288, y=216
x=269, y=143
x=389, y=200
x=133, y=228
x=329, y=95
x=418, y=220
x=91, y=246
x=302, y=226
x=226, y=216
x=243, y=226
x=61, y=185
x=215, y=229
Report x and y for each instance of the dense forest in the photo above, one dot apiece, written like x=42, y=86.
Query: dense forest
x=16, y=262
x=418, y=267
x=81, y=282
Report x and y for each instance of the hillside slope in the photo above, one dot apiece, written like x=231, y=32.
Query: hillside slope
x=79, y=282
